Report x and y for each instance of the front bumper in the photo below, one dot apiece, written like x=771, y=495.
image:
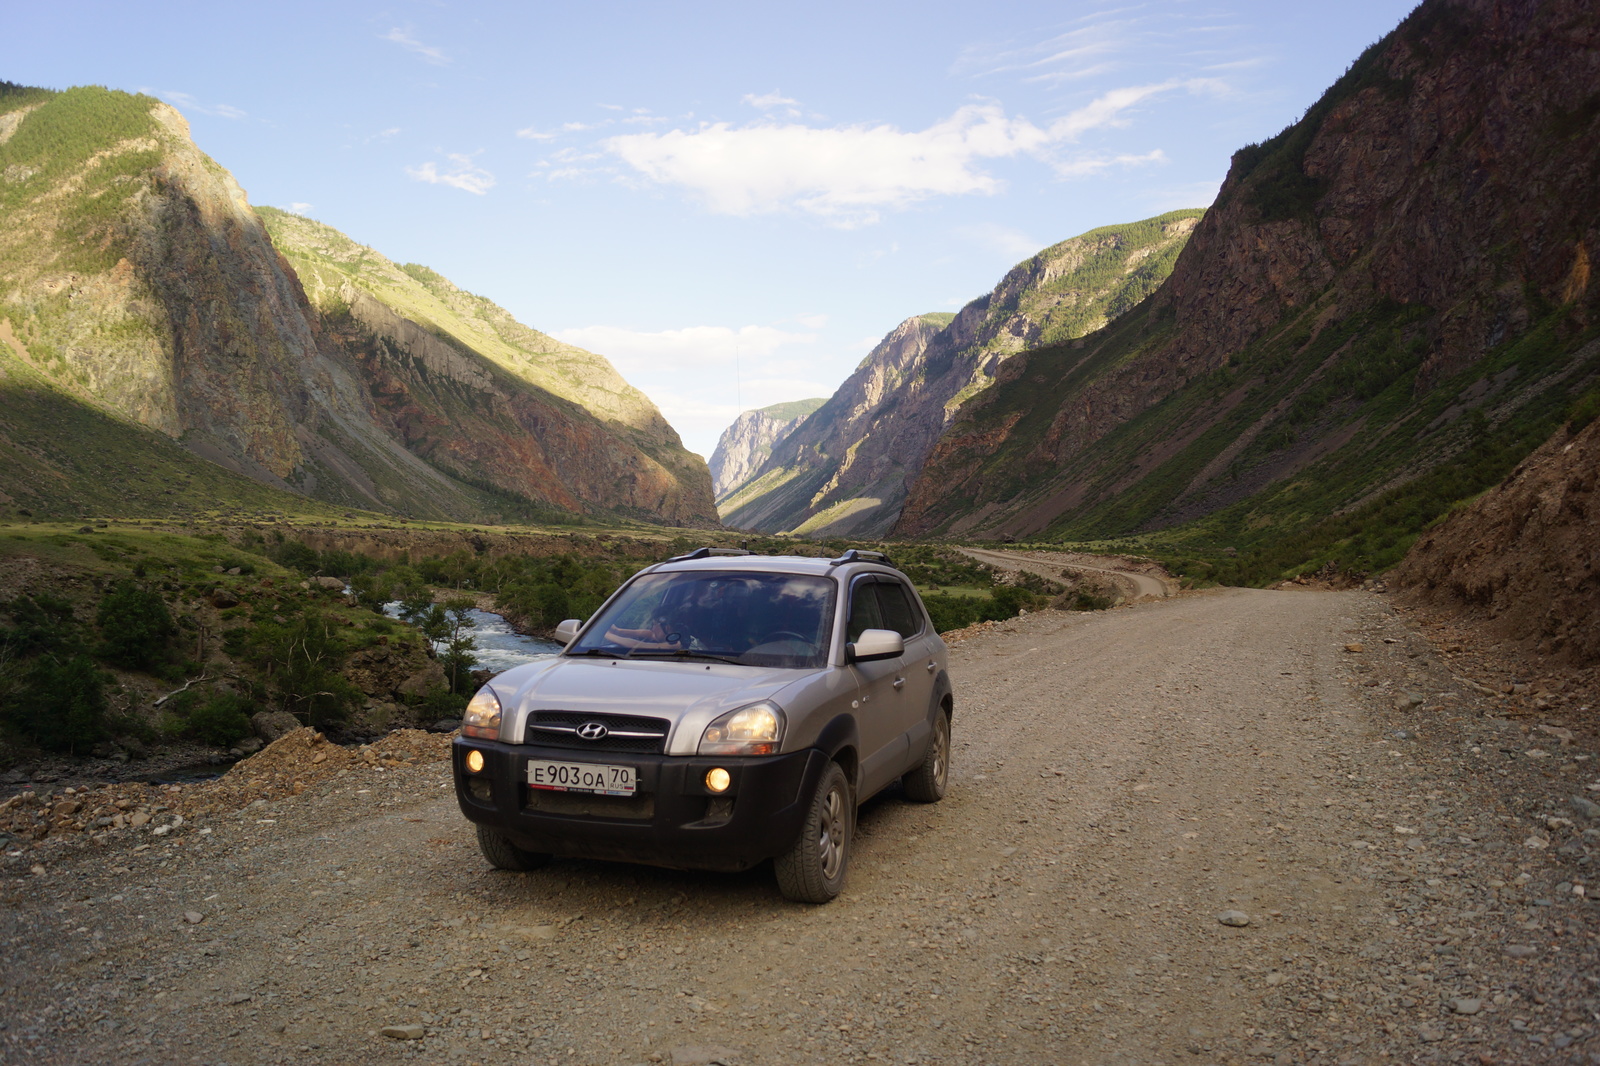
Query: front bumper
x=671, y=820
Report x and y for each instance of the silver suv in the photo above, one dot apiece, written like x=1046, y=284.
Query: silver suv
x=719, y=710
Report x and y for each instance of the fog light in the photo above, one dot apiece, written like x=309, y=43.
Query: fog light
x=718, y=780
x=474, y=761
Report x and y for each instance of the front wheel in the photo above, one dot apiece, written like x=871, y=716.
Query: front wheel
x=926, y=784
x=813, y=870
x=504, y=855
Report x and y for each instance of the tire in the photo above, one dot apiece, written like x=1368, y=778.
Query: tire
x=927, y=783
x=813, y=870
x=504, y=855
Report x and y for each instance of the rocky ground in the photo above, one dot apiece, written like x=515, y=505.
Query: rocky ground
x=1228, y=827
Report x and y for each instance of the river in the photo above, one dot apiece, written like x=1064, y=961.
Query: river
x=499, y=647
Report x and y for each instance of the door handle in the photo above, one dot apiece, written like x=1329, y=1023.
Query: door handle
x=899, y=682
x=931, y=665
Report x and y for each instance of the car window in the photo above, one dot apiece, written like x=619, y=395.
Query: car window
x=754, y=619
x=898, y=612
x=864, y=612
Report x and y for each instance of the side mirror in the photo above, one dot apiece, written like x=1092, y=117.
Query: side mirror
x=566, y=630
x=874, y=644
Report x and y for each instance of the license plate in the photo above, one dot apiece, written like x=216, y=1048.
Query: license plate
x=582, y=777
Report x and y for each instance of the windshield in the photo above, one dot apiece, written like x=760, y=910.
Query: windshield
x=779, y=620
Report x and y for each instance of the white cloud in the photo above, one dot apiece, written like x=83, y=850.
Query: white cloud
x=773, y=101
x=812, y=321
x=405, y=39
x=300, y=207
x=381, y=135
x=687, y=350
x=534, y=134
x=188, y=103
x=847, y=174
x=1080, y=168
x=463, y=174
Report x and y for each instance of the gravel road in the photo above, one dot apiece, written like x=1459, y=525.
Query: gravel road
x=1405, y=872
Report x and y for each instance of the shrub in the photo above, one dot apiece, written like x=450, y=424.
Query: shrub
x=60, y=705
x=222, y=721
x=135, y=626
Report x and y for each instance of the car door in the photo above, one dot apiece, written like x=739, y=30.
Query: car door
x=880, y=718
x=918, y=667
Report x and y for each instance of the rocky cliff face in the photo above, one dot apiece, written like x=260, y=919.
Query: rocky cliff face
x=747, y=443
x=137, y=282
x=486, y=399
x=846, y=470
x=1397, y=281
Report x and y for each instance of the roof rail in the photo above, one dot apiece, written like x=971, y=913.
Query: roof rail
x=707, y=552
x=861, y=555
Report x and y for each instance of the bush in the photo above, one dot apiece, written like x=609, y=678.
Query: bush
x=60, y=705
x=221, y=719
x=135, y=626
x=302, y=658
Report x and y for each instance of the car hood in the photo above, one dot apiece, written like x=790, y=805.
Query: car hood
x=689, y=694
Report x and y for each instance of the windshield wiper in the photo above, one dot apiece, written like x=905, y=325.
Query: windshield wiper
x=685, y=653
x=599, y=652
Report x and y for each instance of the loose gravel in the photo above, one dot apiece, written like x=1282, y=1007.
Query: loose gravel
x=1228, y=827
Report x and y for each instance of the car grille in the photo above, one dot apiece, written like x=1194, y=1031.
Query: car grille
x=624, y=732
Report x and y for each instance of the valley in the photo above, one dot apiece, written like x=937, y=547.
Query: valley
x=1200, y=829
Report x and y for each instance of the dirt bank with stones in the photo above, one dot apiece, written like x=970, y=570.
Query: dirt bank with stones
x=1230, y=827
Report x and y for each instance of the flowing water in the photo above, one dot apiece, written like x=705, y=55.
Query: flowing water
x=499, y=647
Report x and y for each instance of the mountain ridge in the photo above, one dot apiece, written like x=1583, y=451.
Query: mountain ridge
x=846, y=470
x=136, y=277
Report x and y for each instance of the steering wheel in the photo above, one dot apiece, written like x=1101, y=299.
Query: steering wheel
x=786, y=634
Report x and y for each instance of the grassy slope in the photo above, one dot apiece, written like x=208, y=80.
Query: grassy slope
x=793, y=408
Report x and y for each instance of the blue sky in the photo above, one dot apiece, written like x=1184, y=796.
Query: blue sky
x=732, y=202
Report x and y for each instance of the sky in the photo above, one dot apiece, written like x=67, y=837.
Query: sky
x=733, y=202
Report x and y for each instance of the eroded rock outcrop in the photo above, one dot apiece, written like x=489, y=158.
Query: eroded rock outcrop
x=846, y=470
x=746, y=444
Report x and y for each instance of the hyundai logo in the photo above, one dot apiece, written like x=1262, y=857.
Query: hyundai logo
x=592, y=731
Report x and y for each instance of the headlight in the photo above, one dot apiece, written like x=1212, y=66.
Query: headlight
x=753, y=730
x=482, y=716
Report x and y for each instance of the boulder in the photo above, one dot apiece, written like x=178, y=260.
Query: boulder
x=423, y=681
x=270, y=725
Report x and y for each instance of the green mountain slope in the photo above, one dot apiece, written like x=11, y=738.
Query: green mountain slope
x=1388, y=306
x=847, y=468
x=136, y=278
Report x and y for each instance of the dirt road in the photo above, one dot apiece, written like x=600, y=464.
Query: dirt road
x=1134, y=584
x=1122, y=780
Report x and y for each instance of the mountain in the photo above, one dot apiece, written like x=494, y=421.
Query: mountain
x=141, y=294
x=461, y=383
x=746, y=444
x=1388, y=306
x=846, y=469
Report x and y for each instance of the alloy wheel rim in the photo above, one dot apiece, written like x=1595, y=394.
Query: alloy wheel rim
x=832, y=842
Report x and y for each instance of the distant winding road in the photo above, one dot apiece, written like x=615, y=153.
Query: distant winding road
x=1134, y=585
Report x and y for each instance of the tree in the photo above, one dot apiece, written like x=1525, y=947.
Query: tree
x=135, y=626
x=458, y=642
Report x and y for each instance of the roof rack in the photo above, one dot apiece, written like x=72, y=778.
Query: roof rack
x=707, y=552
x=861, y=555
